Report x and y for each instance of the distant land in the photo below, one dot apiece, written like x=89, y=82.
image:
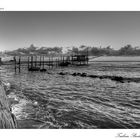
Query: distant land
x=127, y=50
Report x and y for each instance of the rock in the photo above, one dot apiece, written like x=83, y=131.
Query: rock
x=93, y=76
x=117, y=78
x=101, y=77
x=13, y=101
x=61, y=73
x=83, y=74
x=78, y=74
x=35, y=103
x=43, y=70
x=74, y=74
x=6, y=85
x=7, y=119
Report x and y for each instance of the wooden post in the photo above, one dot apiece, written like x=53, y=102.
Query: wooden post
x=19, y=63
x=52, y=61
x=35, y=61
x=56, y=62
x=49, y=62
x=61, y=59
x=43, y=61
x=87, y=56
x=0, y=61
x=72, y=60
x=15, y=63
x=31, y=62
x=80, y=57
x=40, y=62
x=28, y=62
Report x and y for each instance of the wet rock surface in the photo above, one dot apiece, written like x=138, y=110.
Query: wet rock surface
x=7, y=119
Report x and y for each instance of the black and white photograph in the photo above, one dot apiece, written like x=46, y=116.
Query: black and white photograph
x=70, y=70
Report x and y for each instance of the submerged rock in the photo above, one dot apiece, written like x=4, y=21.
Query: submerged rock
x=93, y=76
x=43, y=70
x=83, y=74
x=74, y=74
x=117, y=78
x=114, y=78
x=78, y=74
x=61, y=73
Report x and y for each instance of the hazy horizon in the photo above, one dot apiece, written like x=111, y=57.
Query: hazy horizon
x=66, y=29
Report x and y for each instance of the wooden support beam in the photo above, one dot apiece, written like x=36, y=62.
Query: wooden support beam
x=35, y=61
x=31, y=62
x=52, y=61
x=40, y=62
x=49, y=62
x=19, y=62
x=43, y=61
x=14, y=63
x=28, y=62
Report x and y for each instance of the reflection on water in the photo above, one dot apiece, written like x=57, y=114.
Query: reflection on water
x=64, y=101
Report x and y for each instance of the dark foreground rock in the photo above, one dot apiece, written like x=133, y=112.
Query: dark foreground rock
x=7, y=119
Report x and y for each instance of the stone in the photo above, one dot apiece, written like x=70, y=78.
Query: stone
x=7, y=119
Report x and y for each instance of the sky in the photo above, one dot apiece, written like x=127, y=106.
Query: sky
x=20, y=29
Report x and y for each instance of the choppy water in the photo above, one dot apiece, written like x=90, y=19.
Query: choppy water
x=64, y=101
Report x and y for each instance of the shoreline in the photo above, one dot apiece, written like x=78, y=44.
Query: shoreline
x=115, y=59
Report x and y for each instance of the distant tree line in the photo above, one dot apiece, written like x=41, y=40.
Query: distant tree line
x=83, y=49
x=35, y=50
x=98, y=51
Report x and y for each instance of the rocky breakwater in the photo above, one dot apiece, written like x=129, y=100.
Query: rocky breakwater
x=113, y=78
x=7, y=119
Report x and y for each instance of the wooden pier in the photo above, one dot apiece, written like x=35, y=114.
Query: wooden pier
x=42, y=63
